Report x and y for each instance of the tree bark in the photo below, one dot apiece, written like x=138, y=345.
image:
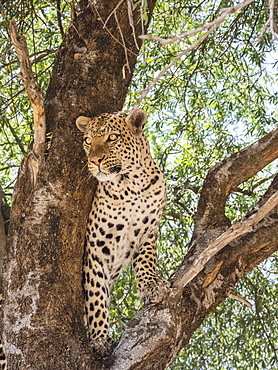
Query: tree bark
x=43, y=324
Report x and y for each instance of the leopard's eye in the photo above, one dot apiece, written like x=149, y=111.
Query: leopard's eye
x=87, y=140
x=112, y=137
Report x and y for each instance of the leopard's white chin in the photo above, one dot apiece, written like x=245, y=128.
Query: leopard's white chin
x=102, y=176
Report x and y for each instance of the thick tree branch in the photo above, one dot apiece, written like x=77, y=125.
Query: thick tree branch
x=223, y=178
x=236, y=230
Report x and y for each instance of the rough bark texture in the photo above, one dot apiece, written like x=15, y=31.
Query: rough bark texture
x=43, y=294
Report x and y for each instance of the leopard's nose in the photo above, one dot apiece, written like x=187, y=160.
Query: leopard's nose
x=96, y=160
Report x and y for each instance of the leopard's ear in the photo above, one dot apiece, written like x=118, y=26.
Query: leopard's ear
x=82, y=123
x=136, y=120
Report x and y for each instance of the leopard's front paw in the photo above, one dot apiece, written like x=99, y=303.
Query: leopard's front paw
x=155, y=291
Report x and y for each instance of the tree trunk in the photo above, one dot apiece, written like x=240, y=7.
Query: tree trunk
x=43, y=324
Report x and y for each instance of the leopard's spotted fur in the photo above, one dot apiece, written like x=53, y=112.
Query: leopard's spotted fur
x=125, y=214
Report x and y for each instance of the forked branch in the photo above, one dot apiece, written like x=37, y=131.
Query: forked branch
x=35, y=97
x=236, y=230
x=228, y=174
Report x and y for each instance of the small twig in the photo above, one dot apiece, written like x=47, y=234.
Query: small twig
x=123, y=41
x=261, y=321
x=7, y=167
x=131, y=23
x=34, y=94
x=142, y=16
x=113, y=11
x=236, y=230
x=39, y=55
x=240, y=299
x=251, y=191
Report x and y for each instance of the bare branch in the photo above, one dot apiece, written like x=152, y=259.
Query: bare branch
x=264, y=30
x=224, y=12
x=113, y=12
x=145, y=92
x=210, y=28
x=123, y=41
x=130, y=17
x=32, y=89
x=240, y=299
x=38, y=56
x=236, y=230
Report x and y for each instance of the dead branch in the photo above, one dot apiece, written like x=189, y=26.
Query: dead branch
x=113, y=12
x=36, y=99
x=145, y=92
x=239, y=228
x=32, y=89
x=124, y=45
x=131, y=23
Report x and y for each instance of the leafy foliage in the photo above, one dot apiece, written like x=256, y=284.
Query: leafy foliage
x=216, y=100
x=42, y=23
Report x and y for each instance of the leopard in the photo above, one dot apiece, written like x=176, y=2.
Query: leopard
x=125, y=214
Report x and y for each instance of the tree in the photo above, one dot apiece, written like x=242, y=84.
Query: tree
x=91, y=74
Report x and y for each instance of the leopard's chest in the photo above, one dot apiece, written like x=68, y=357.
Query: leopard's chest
x=121, y=220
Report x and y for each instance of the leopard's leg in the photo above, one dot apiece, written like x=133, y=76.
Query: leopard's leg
x=150, y=288
x=96, y=290
x=2, y=357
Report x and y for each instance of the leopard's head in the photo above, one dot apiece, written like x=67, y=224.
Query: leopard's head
x=113, y=143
